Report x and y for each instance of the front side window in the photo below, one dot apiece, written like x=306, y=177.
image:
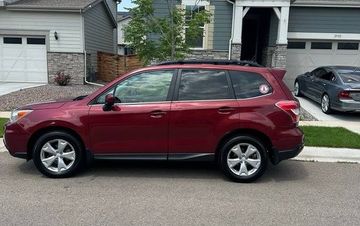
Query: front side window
x=249, y=84
x=204, y=85
x=145, y=87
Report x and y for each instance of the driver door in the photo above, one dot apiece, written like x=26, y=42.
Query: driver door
x=139, y=123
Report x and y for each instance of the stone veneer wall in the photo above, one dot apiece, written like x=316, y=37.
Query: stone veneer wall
x=207, y=55
x=235, y=51
x=280, y=54
x=72, y=63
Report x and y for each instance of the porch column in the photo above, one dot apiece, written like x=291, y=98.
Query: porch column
x=280, y=53
x=237, y=31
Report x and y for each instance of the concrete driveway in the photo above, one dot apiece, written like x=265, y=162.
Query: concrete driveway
x=9, y=87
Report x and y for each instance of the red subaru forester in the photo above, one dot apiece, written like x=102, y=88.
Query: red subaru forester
x=232, y=112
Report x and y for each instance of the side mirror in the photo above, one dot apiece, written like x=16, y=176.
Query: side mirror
x=109, y=102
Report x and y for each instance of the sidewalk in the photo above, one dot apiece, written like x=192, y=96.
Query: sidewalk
x=5, y=114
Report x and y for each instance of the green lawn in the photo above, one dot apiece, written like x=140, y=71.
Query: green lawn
x=2, y=122
x=330, y=137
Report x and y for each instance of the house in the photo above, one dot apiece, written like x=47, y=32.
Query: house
x=40, y=37
x=123, y=20
x=297, y=35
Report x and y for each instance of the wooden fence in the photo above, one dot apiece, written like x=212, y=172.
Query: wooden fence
x=111, y=66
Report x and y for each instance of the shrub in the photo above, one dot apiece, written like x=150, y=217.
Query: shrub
x=62, y=79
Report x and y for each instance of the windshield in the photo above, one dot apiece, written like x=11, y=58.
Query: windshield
x=349, y=76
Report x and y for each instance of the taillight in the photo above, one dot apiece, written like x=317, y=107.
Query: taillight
x=291, y=107
x=344, y=95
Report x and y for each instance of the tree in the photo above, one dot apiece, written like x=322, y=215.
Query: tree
x=163, y=38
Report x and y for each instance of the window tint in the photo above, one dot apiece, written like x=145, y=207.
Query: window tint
x=204, y=85
x=35, y=41
x=12, y=40
x=145, y=87
x=296, y=45
x=348, y=45
x=321, y=45
x=319, y=72
x=249, y=84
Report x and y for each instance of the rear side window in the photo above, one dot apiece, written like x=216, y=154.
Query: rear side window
x=204, y=85
x=249, y=84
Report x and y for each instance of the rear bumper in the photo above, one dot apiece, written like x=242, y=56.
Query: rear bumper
x=346, y=105
x=278, y=156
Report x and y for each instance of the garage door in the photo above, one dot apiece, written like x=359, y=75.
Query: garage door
x=23, y=59
x=303, y=56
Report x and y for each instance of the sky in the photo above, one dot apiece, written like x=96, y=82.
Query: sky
x=125, y=4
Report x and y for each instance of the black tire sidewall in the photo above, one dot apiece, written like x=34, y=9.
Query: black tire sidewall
x=298, y=94
x=243, y=139
x=58, y=135
x=329, y=108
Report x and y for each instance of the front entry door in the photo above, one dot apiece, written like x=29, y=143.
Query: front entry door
x=139, y=124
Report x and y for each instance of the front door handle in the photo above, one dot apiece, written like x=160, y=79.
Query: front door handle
x=157, y=114
x=226, y=110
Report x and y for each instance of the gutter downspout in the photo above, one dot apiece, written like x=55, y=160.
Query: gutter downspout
x=232, y=28
x=84, y=51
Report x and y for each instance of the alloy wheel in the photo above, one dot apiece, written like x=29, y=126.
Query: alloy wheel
x=296, y=89
x=244, y=159
x=57, y=155
x=325, y=103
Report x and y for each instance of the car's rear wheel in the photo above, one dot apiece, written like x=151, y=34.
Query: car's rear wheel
x=58, y=154
x=243, y=158
x=325, y=104
x=297, y=91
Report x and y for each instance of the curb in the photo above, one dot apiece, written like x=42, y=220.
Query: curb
x=323, y=154
x=5, y=114
x=313, y=154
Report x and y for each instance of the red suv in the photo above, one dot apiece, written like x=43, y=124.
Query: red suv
x=231, y=112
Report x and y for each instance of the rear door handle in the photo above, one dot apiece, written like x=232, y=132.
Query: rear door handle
x=225, y=110
x=157, y=114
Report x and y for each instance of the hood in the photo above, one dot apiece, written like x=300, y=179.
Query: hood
x=46, y=105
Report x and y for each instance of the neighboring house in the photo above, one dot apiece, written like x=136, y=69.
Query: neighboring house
x=297, y=35
x=123, y=20
x=40, y=37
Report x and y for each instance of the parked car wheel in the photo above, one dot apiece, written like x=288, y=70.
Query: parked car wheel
x=297, y=91
x=325, y=104
x=58, y=154
x=243, y=159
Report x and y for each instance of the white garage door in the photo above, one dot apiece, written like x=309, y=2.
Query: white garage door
x=23, y=59
x=307, y=55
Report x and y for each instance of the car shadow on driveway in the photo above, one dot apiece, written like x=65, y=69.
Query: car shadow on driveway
x=285, y=171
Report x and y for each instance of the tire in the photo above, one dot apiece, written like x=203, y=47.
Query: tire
x=325, y=104
x=230, y=156
x=58, y=154
x=297, y=91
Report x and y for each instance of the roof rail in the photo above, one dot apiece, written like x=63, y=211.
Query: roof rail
x=215, y=62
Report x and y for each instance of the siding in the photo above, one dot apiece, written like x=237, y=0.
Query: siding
x=67, y=25
x=324, y=20
x=222, y=24
x=98, y=29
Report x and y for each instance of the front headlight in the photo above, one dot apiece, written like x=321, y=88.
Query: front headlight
x=18, y=114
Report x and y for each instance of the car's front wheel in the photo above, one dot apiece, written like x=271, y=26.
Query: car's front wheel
x=325, y=104
x=58, y=154
x=243, y=158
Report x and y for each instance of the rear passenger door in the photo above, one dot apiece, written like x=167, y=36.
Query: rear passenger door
x=203, y=110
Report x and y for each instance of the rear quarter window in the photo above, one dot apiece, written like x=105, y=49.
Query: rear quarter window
x=249, y=84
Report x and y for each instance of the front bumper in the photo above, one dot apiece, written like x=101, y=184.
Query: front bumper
x=278, y=156
x=15, y=140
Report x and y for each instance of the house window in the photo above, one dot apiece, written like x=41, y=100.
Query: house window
x=190, y=12
x=348, y=45
x=12, y=40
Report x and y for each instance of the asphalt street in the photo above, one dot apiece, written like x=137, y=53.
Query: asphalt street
x=153, y=193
